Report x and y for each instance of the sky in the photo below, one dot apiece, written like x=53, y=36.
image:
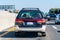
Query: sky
x=43, y=5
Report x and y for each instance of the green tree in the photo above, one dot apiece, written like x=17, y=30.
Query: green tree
x=54, y=10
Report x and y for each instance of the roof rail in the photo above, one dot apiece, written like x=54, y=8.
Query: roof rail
x=30, y=8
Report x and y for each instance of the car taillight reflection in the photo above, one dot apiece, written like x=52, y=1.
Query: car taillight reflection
x=38, y=21
x=19, y=20
x=41, y=21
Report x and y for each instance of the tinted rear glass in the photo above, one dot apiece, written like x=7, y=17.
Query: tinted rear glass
x=29, y=14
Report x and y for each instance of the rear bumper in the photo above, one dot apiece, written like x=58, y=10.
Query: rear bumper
x=32, y=29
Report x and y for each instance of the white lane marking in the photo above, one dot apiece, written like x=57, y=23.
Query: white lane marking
x=54, y=27
x=4, y=34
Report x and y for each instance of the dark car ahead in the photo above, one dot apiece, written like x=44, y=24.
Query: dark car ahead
x=51, y=16
x=30, y=20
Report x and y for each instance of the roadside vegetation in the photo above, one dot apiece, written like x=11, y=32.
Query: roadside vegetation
x=54, y=10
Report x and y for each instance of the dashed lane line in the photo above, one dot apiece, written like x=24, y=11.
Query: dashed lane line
x=55, y=27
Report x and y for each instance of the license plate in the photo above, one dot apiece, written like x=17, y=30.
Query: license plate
x=29, y=23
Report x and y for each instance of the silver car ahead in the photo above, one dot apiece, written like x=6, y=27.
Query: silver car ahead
x=57, y=19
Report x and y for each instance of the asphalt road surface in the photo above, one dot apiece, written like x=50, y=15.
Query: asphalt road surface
x=52, y=33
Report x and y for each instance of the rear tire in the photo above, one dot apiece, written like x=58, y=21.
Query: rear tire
x=43, y=34
x=39, y=34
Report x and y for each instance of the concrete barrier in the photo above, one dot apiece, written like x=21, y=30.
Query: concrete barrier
x=7, y=20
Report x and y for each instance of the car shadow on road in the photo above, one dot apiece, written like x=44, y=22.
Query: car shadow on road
x=58, y=30
x=8, y=35
x=28, y=35
x=25, y=35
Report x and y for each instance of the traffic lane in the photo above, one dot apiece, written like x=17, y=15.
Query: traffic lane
x=27, y=36
x=30, y=36
x=57, y=27
x=10, y=31
x=53, y=34
x=38, y=38
x=8, y=35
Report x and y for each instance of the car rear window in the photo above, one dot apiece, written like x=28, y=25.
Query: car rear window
x=29, y=14
x=52, y=15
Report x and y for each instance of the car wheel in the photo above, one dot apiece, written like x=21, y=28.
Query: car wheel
x=43, y=34
x=39, y=34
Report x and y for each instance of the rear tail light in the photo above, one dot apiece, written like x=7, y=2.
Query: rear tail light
x=41, y=21
x=19, y=20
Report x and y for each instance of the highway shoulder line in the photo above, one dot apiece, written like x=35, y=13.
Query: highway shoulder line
x=7, y=31
x=4, y=34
